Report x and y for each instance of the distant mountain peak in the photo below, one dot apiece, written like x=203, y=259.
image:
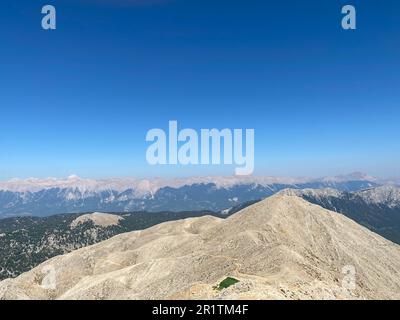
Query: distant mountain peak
x=387, y=194
x=318, y=193
x=73, y=177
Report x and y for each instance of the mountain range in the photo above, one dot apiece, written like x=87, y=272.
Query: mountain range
x=280, y=248
x=27, y=241
x=43, y=197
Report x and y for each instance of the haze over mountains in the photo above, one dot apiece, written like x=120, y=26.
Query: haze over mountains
x=280, y=248
x=73, y=195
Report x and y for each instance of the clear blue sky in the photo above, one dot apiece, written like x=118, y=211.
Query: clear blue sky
x=80, y=99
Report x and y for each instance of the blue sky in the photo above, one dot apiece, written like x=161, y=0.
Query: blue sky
x=80, y=99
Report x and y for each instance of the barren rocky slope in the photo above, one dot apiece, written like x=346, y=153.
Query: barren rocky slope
x=26, y=242
x=377, y=209
x=280, y=248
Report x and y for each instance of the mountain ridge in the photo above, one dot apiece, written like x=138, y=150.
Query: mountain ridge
x=377, y=208
x=280, y=248
x=29, y=241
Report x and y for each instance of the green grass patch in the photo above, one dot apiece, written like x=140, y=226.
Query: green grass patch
x=226, y=283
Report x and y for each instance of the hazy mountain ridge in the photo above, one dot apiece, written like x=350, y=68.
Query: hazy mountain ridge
x=280, y=248
x=74, y=195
